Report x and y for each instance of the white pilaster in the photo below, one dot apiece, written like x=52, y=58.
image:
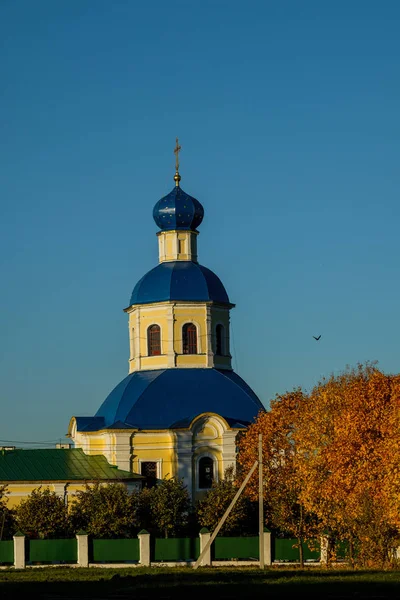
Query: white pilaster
x=209, y=338
x=122, y=449
x=137, y=340
x=175, y=246
x=161, y=247
x=184, y=453
x=228, y=449
x=170, y=347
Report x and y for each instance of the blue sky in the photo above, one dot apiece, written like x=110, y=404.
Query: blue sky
x=288, y=117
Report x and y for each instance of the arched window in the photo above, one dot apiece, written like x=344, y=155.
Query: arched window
x=206, y=472
x=189, y=338
x=154, y=340
x=220, y=341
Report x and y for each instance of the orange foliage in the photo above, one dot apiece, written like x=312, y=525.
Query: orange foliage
x=334, y=453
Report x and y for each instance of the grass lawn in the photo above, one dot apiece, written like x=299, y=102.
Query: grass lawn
x=222, y=583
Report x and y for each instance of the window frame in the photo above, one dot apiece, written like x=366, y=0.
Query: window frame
x=187, y=325
x=149, y=341
x=214, y=470
x=158, y=463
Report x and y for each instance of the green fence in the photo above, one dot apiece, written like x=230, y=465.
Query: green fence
x=176, y=549
x=342, y=550
x=240, y=548
x=123, y=550
x=283, y=550
x=7, y=552
x=163, y=550
x=52, y=551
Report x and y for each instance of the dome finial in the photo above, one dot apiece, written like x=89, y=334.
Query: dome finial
x=177, y=177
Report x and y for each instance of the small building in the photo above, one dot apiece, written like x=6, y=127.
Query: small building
x=63, y=471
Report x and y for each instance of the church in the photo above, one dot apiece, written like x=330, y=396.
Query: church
x=181, y=407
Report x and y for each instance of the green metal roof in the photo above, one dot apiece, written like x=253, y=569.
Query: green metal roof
x=58, y=465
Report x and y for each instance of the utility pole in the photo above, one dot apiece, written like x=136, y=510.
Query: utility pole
x=260, y=502
x=2, y=525
x=222, y=521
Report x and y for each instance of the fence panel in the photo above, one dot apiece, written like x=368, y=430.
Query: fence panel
x=176, y=549
x=226, y=548
x=282, y=550
x=52, y=551
x=120, y=550
x=342, y=550
x=7, y=552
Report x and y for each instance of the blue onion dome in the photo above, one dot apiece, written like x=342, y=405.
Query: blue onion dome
x=178, y=210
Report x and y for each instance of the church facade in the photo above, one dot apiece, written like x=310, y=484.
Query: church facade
x=179, y=410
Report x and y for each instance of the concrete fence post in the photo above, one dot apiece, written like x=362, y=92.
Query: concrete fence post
x=82, y=540
x=204, y=536
x=19, y=550
x=267, y=547
x=144, y=548
x=324, y=550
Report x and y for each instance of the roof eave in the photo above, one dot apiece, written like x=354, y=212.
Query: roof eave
x=208, y=302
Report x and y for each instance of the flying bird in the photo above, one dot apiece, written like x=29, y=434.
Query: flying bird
x=316, y=338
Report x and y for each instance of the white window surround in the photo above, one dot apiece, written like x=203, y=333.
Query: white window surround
x=158, y=462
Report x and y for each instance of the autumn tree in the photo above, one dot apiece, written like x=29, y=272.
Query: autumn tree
x=105, y=511
x=42, y=515
x=348, y=453
x=170, y=506
x=212, y=507
x=331, y=461
x=283, y=483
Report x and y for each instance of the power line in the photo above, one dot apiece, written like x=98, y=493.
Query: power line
x=47, y=442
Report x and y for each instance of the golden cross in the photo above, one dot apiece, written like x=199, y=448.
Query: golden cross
x=176, y=152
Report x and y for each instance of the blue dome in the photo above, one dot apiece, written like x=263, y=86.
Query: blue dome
x=178, y=210
x=168, y=398
x=179, y=280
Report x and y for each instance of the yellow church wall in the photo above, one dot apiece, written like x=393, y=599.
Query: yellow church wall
x=196, y=314
x=154, y=447
x=177, y=245
x=191, y=360
x=151, y=315
x=169, y=242
x=95, y=445
x=171, y=317
x=17, y=492
x=75, y=487
x=154, y=362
